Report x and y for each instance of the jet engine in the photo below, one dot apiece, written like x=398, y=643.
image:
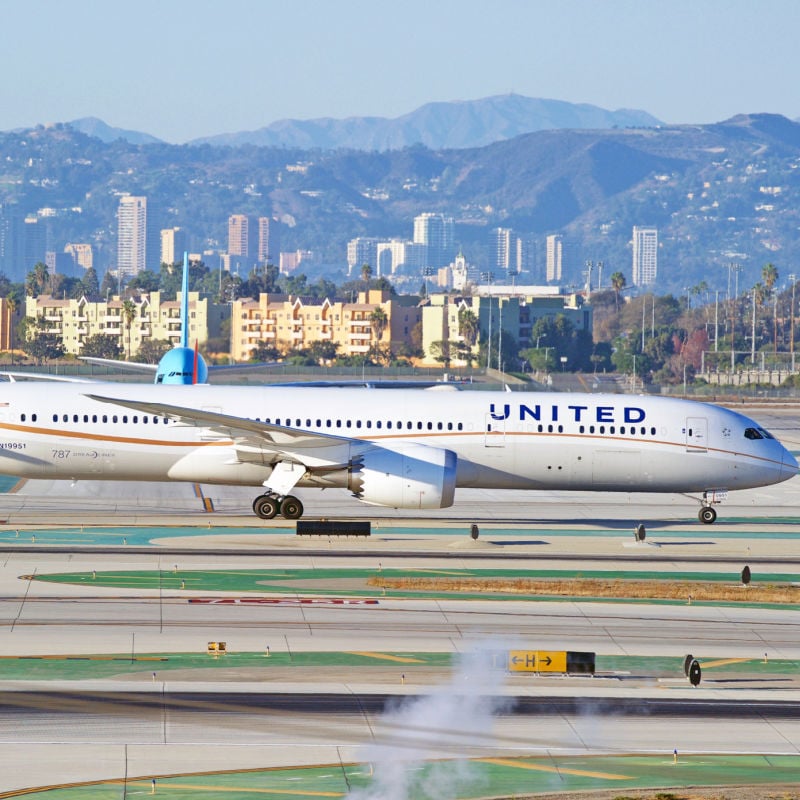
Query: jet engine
x=405, y=476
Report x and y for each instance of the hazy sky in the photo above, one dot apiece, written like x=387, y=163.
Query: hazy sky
x=180, y=69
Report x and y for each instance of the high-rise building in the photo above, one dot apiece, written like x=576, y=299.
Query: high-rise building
x=437, y=233
x=173, y=245
x=81, y=253
x=555, y=258
x=34, y=242
x=12, y=237
x=269, y=240
x=131, y=236
x=645, y=255
x=504, y=252
x=362, y=250
x=399, y=255
x=243, y=240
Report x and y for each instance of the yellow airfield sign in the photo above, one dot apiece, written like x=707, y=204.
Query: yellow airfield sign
x=537, y=660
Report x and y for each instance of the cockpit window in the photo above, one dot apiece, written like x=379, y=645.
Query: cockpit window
x=757, y=433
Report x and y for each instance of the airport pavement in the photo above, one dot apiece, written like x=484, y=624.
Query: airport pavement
x=759, y=526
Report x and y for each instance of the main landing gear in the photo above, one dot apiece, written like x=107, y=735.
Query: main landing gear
x=268, y=506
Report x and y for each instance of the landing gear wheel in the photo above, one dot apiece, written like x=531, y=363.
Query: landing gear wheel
x=265, y=506
x=707, y=515
x=291, y=507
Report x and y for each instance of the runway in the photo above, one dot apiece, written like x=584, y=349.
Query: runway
x=309, y=679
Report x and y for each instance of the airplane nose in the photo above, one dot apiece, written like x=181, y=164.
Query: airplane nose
x=789, y=466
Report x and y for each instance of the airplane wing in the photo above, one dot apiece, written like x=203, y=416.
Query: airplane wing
x=262, y=436
x=41, y=376
x=133, y=366
x=139, y=366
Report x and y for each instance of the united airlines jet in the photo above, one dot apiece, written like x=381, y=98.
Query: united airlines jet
x=408, y=448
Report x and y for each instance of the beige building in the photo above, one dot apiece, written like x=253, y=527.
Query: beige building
x=288, y=322
x=155, y=319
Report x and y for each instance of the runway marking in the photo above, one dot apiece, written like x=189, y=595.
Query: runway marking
x=724, y=662
x=197, y=787
x=441, y=572
x=505, y=762
x=385, y=657
x=127, y=659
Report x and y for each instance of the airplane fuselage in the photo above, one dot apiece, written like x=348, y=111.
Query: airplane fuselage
x=500, y=440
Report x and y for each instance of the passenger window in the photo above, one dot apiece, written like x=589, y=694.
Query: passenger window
x=105, y=417
x=74, y=417
x=33, y=417
x=652, y=431
x=22, y=418
x=125, y=418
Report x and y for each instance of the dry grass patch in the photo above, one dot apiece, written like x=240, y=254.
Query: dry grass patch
x=592, y=587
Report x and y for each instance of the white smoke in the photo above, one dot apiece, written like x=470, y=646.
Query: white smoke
x=422, y=744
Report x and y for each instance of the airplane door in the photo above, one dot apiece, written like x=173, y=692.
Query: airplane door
x=495, y=435
x=696, y=434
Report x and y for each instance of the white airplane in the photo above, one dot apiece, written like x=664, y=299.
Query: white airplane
x=407, y=448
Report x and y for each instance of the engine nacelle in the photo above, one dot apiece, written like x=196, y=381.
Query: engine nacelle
x=405, y=476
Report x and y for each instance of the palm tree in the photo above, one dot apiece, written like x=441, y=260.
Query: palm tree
x=366, y=274
x=41, y=276
x=128, y=316
x=12, y=304
x=378, y=320
x=468, y=329
x=769, y=275
x=617, y=284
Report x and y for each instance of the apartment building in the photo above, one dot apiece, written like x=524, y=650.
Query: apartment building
x=75, y=320
x=287, y=322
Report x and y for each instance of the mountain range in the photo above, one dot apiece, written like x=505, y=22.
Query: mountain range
x=719, y=193
x=471, y=123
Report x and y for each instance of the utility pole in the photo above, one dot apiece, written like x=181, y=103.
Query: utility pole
x=753, y=332
x=793, y=279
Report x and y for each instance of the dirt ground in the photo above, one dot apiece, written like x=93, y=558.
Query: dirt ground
x=783, y=792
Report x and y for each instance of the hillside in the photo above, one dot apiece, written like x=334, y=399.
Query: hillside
x=718, y=193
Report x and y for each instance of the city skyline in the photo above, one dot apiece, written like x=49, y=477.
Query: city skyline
x=683, y=62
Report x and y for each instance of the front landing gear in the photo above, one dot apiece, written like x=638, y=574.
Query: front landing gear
x=707, y=515
x=268, y=506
